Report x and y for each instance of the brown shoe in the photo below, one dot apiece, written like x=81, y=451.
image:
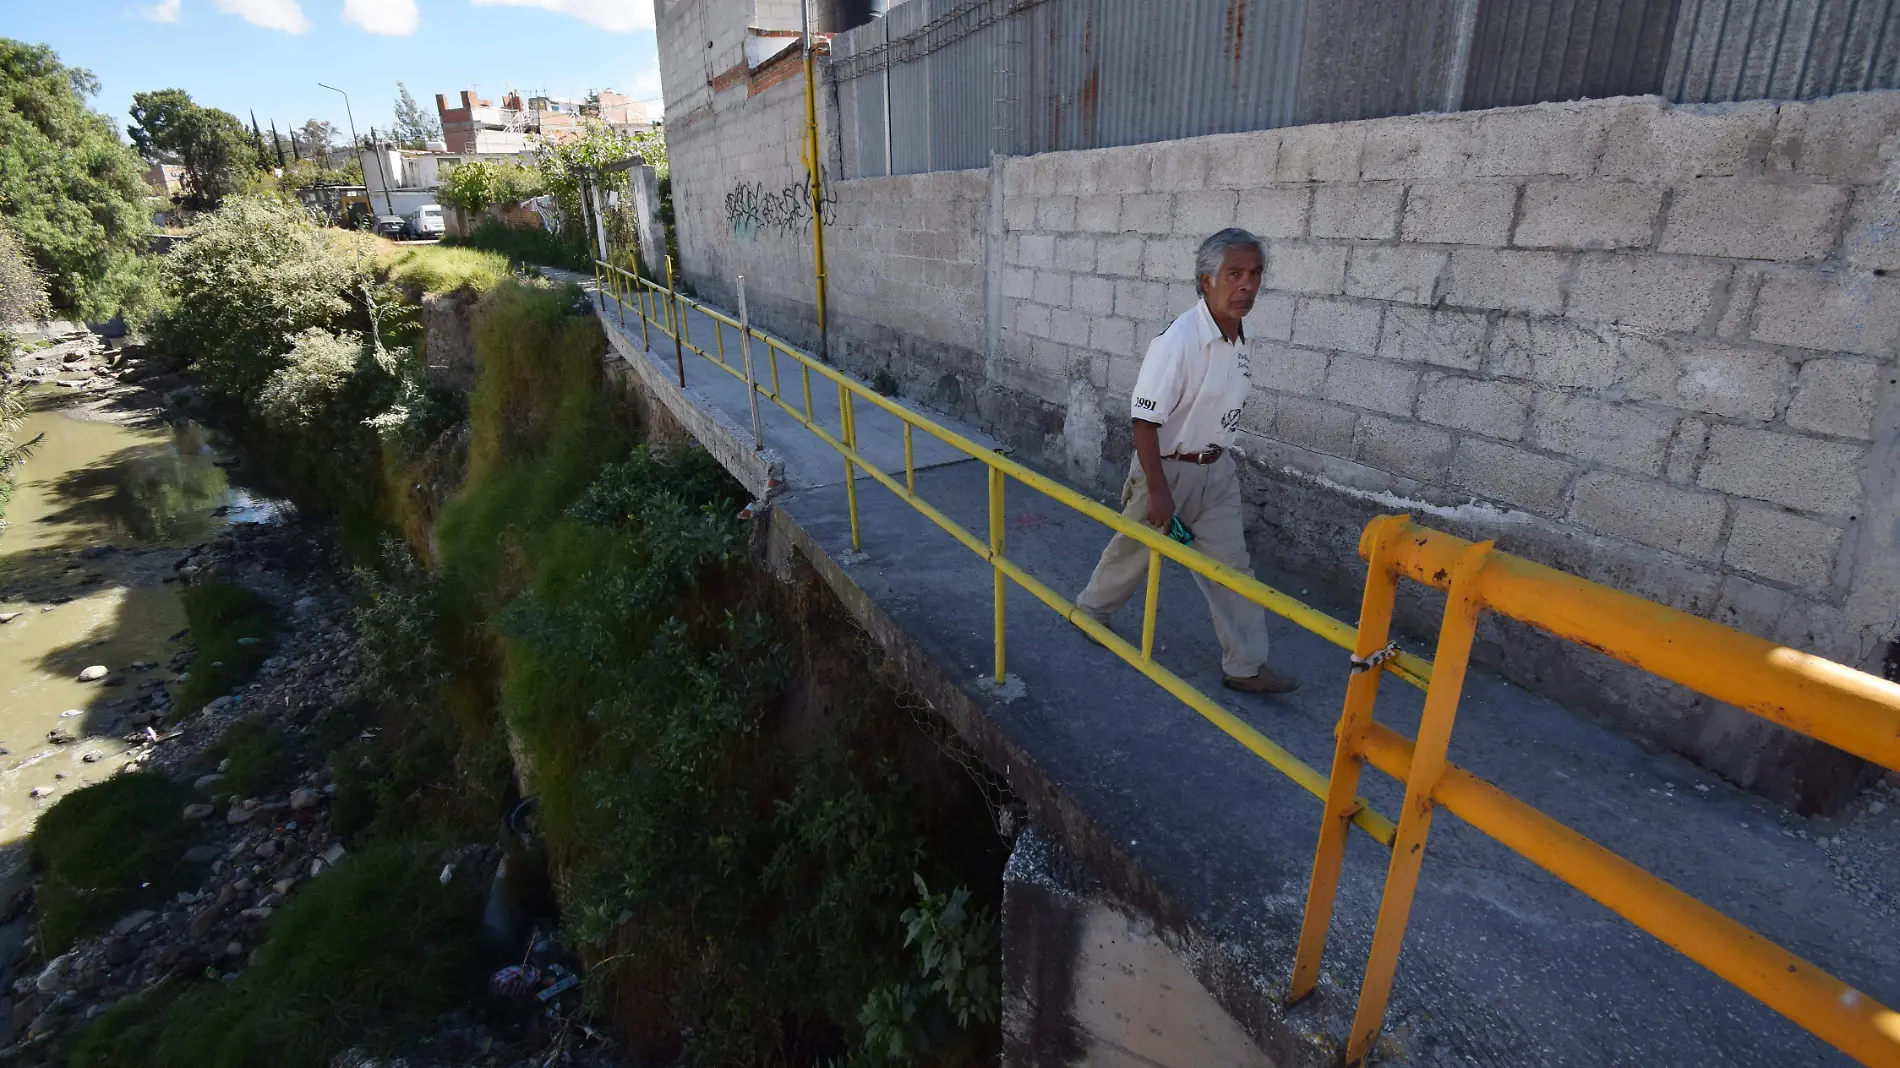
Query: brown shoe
x=1266, y=681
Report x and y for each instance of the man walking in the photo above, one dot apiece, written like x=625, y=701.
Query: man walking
x=1186, y=407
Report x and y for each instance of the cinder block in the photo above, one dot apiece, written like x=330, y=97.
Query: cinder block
x=1530, y=282
x=1860, y=313
x=1147, y=213
x=1364, y=210
x=1417, y=147
x=1052, y=288
x=1182, y=296
x=1587, y=214
x=1093, y=293
x=1459, y=213
x=1625, y=436
x=1135, y=299
x=1654, y=291
x=1200, y=214
x=1035, y=250
x=1274, y=212
x=1304, y=267
x=1336, y=324
x=1119, y=255
x=1403, y=448
x=1288, y=369
x=1423, y=335
x=1663, y=517
x=1654, y=141
x=1032, y=319
x=1099, y=214
x=1380, y=385
x=1272, y=317
x=1068, y=326
x=1782, y=547
x=1112, y=335
x=1836, y=397
x=1512, y=475
x=1072, y=170
x=1872, y=242
x=1754, y=220
x=1168, y=259
x=1553, y=352
x=1494, y=409
x=1840, y=137
x=1124, y=170
x=1019, y=213
x=1717, y=379
x=1785, y=469
x=1075, y=253
x=1541, y=139
x=1242, y=160
x=1399, y=273
x=1018, y=282
x=1322, y=153
x=1312, y=425
x=1180, y=166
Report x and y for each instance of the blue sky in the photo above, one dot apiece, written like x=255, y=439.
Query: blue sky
x=269, y=54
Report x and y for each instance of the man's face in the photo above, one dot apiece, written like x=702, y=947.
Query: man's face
x=1231, y=290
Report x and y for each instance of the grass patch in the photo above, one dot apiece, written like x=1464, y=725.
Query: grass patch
x=523, y=246
x=235, y=630
x=261, y=759
x=105, y=850
x=444, y=269
x=370, y=952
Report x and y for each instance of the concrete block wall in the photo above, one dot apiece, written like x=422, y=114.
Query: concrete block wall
x=1651, y=346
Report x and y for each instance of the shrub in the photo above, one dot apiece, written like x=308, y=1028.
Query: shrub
x=234, y=629
x=244, y=284
x=372, y=951
x=260, y=758
x=105, y=850
x=444, y=269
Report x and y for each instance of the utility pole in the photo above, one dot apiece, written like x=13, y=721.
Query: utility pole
x=817, y=188
x=387, y=203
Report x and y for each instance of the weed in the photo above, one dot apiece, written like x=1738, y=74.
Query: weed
x=444, y=269
x=260, y=756
x=107, y=849
x=524, y=246
x=373, y=950
x=234, y=629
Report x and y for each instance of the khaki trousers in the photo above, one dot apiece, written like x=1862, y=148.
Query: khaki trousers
x=1207, y=498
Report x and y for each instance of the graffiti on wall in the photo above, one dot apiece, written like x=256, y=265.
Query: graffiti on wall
x=753, y=208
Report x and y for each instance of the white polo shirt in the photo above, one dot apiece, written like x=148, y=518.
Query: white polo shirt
x=1192, y=384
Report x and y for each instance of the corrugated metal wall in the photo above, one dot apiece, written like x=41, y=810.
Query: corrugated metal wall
x=969, y=77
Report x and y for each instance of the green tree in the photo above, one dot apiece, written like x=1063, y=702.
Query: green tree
x=70, y=190
x=315, y=138
x=413, y=125
x=214, y=147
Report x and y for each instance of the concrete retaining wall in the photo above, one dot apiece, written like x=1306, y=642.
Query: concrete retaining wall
x=1652, y=346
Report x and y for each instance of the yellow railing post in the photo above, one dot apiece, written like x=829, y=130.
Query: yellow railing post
x=641, y=298
x=1342, y=789
x=1150, y=604
x=620, y=298
x=1463, y=604
x=910, y=465
x=673, y=304
x=996, y=556
x=848, y=429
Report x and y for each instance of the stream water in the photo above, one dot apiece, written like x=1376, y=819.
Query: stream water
x=86, y=570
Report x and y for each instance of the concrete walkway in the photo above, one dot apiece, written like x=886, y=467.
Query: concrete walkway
x=1503, y=964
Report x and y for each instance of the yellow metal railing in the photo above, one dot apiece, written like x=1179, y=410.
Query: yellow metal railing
x=1838, y=705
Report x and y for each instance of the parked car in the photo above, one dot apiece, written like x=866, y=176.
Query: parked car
x=390, y=226
x=425, y=221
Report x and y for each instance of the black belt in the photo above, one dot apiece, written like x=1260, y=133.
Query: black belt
x=1207, y=457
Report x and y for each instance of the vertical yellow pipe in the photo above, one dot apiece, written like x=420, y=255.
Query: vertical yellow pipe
x=672, y=295
x=996, y=553
x=1362, y=691
x=910, y=467
x=848, y=427
x=1463, y=604
x=642, y=298
x=1150, y=605
x=817, y=190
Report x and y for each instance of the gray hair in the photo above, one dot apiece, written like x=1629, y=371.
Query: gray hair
x=1213, y=252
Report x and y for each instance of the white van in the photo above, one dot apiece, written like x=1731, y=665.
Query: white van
x=425, y=221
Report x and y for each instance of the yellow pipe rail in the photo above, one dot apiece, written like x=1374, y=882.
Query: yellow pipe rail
x=1846, y=708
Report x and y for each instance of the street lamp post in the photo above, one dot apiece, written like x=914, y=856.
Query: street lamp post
x=387, y=202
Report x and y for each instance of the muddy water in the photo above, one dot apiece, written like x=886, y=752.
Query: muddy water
x=105, y=474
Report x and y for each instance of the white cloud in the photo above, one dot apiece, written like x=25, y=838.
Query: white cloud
x=394, y=18
x=619, y=16
x=285, y=15
x=163, y=11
